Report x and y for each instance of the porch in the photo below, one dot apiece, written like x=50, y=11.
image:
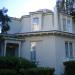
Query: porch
x=10, y=48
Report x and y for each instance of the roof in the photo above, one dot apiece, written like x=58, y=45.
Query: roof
x=42, y=11
x=20, y=36
x=52, y=32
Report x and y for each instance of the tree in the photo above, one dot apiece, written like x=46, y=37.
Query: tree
x=4, y=19
x=66, y=6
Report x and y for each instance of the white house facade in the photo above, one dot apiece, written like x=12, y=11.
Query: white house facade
x=43, y=36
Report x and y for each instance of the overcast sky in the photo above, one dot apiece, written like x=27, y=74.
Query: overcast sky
x=17, y=8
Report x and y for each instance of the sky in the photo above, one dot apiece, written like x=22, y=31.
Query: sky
x=18, y=8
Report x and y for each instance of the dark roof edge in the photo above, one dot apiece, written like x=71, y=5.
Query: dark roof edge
x=39, y=33
x=52, y=32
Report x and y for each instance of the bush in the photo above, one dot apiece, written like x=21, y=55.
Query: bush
x=69, y=67
x=20, y=66
x=15, y=63
x=8, y=72
x=37, y=71
x=26, y=64
x=8, y=62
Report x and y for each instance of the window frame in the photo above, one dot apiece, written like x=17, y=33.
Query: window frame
x=35, y=24
x=33, y=52
x=64, y=24
x=68, y=49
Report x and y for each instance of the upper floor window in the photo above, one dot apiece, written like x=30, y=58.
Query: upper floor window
x=69, y=49
x=64, y=24
x=69, y=25
x=36, y=20
x=35, y=23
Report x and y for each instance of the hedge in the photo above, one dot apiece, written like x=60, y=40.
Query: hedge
x=8, y=72
x=37, y=71
x=20, y=66
x=15, y=63
x=69, y=67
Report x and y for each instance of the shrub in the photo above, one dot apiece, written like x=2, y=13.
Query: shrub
x=37, y=71
x=8, y=62
x=8, y=72
x=20, y=66
x=69, y=67
x=26, y=64
x=15, y=63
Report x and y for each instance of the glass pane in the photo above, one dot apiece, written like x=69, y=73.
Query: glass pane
x=33, y=51
x=71, y=50
x=36, y=21
x=69, y=26
x=64, y=24
x=66, y=49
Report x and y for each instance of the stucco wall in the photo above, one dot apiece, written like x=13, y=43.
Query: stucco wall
x=25, y=24
x=48, y=22
x=73, y=25
x=15, y=26
x=60, y=52
x=50, y=51
x=36, y=15
x=45, y=50
x=66, y=17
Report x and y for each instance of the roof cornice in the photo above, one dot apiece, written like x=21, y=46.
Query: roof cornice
x=44, y=33
x=21, y=36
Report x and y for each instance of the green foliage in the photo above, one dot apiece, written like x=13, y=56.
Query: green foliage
x=15, y=63
x=24, y=63
x=69, y=67
x=8, y=72
x=37, y=71
x=4, y=19
x=20, y=66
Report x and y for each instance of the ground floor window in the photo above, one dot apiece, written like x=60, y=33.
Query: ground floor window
x=33, y=51
x=12, y=49
x=69, y=49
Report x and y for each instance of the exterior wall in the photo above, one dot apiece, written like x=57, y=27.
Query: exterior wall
x=15, y=26
x=56, y=24
x=50, y=51
x=25, y=49
x=66, y=17
x=73, y=26
x=40, y=20
x=25, y=24
x=48, y=22
x=45, y=50
x=60, y=52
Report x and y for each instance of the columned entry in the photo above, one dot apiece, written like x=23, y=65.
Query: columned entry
x=12, y=48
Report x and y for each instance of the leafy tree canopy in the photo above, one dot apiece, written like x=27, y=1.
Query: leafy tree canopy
x=4, y=19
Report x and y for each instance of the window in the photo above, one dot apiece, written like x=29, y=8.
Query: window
x=66, y=49
x=69, y=26
x=35, y=22
x=33, y=51
x=64, y=24
x=69, y=49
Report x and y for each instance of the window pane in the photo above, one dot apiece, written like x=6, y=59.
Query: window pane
x=69, y=26
x=64, y=24
x=35, y=25
x=71, y=50
x=36, y=21
x=33, y=51
x=66, y=49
